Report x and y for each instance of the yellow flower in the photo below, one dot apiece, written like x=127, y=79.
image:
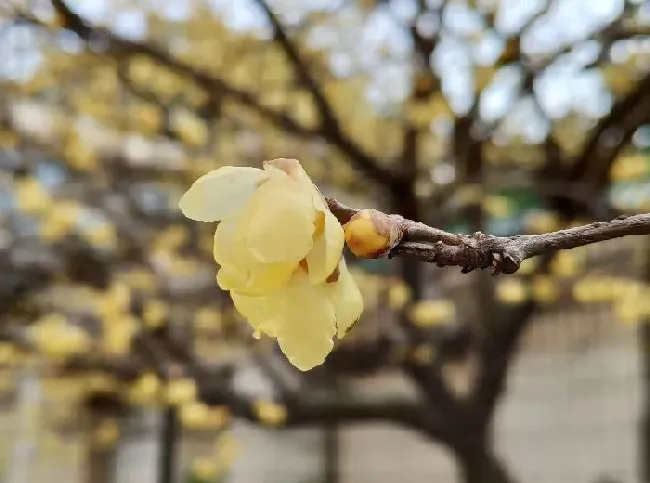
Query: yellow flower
x=279, y=249
x=398, y=295
x=205, y=469
x=512, y=291
x=54, y=336
x=106, y=433
x=304, y=318
x=155, y=313
x=194, y=415
x=197, y=415
x=144, y=390
x=271, y=220
x=270, y=413
x=181, y=391
x=432, y=312
x=31, y=196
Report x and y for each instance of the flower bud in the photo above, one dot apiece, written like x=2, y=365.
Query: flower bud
x=371, y=234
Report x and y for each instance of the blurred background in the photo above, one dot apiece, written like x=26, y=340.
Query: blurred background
x=120, y=359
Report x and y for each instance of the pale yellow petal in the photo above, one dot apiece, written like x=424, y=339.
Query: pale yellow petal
x=257, y=311
x=227, y=248
x=251, y=276
x=306, y=326
x=291, y=167
x=262, y=279
x=306, y=331
x=324, y=257
x=282, y=223
x=266, y=278
x=230, y=243
x=231, y=278
x=221, y=193
x=347, y=300
x=294, y=169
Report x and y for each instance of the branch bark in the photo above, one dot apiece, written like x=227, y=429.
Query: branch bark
x=482, y=466
x=503, y=253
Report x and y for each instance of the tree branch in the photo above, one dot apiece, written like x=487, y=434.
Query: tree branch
x=305, y=410
x=398, y=410
x=499, y=349
x=627, y=114
x=503, y=253
x=329, y=123
x=120, y=47
x=329, y=129
x=158, y=351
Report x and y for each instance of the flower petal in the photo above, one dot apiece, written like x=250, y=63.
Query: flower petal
x=294, y=170
x=260, y=280
x=347, y=300
x=240, y=271
x=221, y=193
x=230, y=278
x=227, y=245
x=291, y=167
x=257, y=312
x=281, y=226
x=306, y=324
x=324, y=257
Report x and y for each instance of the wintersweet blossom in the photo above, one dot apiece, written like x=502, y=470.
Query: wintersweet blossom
x=279, y=249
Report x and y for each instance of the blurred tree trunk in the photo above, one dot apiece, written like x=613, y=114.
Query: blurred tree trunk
x=100, y=458
x=644, y=353
x=331, y=453
x=644, y=423
x=103, y=435
x=100, y=465
x=480, y=465
x=476, y=461
x=169, y=438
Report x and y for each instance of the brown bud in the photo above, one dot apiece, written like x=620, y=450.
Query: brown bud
x=371, y=233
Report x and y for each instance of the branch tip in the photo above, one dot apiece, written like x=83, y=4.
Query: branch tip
x=479, y=250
